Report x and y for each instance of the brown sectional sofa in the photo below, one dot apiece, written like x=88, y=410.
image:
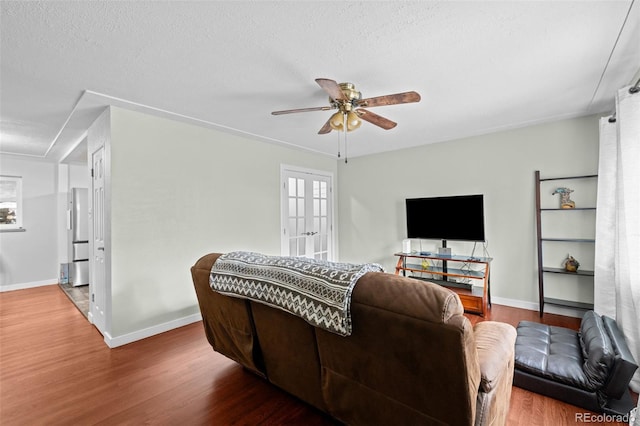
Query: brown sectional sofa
x=412, y=358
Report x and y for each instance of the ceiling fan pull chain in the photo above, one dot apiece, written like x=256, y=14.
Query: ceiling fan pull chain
x=344, y=128
x=346, y=157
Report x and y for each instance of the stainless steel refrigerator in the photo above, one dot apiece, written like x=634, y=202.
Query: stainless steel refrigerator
x=79, y=227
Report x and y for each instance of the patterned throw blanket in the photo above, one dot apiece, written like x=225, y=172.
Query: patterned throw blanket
x=317, y=291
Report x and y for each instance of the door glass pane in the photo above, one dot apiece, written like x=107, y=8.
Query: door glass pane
x=292, y=187
x=300, y=207
x=300, y=187
x=292, y=207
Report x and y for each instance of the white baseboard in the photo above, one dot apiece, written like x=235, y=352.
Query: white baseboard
x=33, y=284
x=114, y=342
x=533, y=306
x=514, y=303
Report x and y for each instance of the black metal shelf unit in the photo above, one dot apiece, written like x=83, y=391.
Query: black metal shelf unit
x=540, y=239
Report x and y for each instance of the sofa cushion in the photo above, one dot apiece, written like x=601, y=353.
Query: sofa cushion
x=597, y=350
x=290, y=354
x=550, y=352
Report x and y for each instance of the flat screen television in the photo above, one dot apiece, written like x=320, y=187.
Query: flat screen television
x=446, y=218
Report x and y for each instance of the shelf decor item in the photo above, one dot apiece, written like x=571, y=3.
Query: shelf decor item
x=570, y=264
x=565, y=200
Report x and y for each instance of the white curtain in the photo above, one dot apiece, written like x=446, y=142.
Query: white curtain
x=617, y=254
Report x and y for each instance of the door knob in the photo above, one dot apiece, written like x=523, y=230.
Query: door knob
x=309, y=233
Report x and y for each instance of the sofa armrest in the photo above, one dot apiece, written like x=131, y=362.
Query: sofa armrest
x=227, y=321
x=495, y=343
x=495, y=346
x=624, y=366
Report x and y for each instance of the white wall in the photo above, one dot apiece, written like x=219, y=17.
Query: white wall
x=30, y=258
x=501, y=166
x=179, y=192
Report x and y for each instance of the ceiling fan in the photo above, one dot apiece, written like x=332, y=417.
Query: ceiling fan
x=348, y=101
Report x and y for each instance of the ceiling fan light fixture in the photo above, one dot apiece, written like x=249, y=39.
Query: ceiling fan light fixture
x=353, y=121
x=337, y=121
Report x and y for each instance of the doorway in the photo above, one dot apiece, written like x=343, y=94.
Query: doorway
x=307, y=213
x=79, y=296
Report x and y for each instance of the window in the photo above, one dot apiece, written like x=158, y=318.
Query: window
x=10, y=202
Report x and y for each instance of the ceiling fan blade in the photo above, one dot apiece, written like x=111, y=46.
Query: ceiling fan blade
x=291, y=111
x=376, y=119
x=326, y=128
x=398, y=98
x=332, y=88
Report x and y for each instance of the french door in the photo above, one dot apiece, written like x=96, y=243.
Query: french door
x=98, y=283
x=307, y=214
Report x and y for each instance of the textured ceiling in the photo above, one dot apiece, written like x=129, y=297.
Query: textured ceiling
x=479, y=66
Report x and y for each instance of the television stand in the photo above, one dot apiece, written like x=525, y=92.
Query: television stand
x=474, y=299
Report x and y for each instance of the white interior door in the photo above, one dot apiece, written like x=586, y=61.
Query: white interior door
x=98, y=291
x=307, y=217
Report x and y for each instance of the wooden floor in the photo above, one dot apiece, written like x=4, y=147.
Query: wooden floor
x=55, y=369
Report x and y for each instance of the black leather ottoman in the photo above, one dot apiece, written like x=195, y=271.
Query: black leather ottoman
x=590, y=368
